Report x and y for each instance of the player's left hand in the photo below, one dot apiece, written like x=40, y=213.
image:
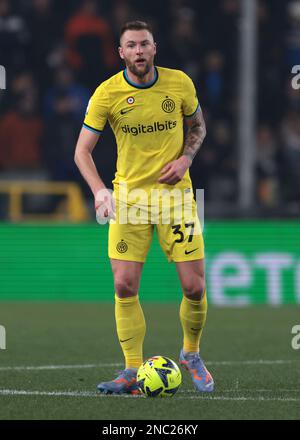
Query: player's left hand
x=174, y=171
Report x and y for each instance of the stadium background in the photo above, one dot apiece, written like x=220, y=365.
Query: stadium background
x=51, y=249
x=55, y=54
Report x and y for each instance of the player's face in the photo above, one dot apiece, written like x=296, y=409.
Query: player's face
x=138, y=50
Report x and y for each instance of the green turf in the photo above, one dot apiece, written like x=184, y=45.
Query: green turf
x=43, y=334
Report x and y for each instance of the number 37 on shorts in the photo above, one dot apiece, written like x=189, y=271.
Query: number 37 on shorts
x=180, y=242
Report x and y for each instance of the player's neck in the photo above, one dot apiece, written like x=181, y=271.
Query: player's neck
x=147, y=79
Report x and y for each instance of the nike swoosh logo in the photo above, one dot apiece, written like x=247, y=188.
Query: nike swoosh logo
x=125, y=340
x=189, y=252
x=126, y=110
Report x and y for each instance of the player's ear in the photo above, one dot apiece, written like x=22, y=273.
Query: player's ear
x=155, y=48
x=121, y=53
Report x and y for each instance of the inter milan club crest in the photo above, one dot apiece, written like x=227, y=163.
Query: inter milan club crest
x=168, y=105
x=122, y=247
x=130, y=100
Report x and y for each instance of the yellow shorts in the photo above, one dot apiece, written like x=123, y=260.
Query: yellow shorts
x=180, y=241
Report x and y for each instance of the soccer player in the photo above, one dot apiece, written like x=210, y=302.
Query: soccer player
x=146, y=107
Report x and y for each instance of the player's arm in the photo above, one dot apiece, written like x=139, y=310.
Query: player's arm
x=195, y=135
x=83, y=158
x=174, y=171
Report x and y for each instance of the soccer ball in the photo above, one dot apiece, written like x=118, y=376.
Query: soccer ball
x=159, y=376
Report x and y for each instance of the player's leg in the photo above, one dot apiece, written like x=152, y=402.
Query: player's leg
x=193, y=310
x=183, y=243
x=193, y=307
x=130, y=321
x=128, y=247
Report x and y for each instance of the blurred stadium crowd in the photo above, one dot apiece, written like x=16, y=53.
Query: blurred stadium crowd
x=57, y=52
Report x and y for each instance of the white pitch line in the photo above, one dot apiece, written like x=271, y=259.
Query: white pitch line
x=109, y=365
x=257, y=362
x=8, y=392
x=244, y=390
x=57, y=367
x=242, y=398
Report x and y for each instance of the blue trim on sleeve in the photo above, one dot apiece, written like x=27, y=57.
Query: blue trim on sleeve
x=189, y=116
x=92, y=129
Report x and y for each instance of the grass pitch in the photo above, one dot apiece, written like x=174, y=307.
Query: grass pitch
x=57, y=353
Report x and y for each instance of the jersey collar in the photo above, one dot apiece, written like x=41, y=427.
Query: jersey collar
x=140, y=86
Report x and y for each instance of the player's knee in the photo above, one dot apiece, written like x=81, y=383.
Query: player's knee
x=125, y=287
x=194, y=288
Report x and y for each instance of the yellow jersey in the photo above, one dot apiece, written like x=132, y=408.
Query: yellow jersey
x=147, y=121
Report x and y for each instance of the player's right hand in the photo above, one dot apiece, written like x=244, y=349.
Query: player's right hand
x=105, y=206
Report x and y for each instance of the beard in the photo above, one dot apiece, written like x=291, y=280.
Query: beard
x=139, y=72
